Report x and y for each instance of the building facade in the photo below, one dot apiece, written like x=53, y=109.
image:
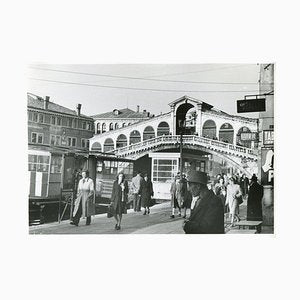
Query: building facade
x=53, y=130
x=119, y=118
x=266, y=138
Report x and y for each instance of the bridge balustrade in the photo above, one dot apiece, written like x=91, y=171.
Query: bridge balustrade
x=187, y=139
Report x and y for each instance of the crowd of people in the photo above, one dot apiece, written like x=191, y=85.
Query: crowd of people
x=201, y=205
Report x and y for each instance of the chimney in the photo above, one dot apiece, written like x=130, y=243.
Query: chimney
x=137, y=108
x=78, y=109
x=46, y=102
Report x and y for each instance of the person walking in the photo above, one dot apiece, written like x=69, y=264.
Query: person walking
x=233, y=198
x=254, y=204
x=177, y=196
x=220, y=191
x=146, y=194
x=244, y=184
x=207, y=215
x=136, y=191
x=119, y=198
x=84, y=205
x=187, y=197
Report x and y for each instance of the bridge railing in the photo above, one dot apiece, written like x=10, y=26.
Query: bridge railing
x=187, y=139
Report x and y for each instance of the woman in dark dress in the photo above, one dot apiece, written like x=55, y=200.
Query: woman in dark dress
x=119, y=198
x=220, y=191
x=146, y=193
x=254, y=205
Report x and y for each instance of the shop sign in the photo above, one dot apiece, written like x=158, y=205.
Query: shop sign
x=249, y=136
x=268, y=137
x=267, y=169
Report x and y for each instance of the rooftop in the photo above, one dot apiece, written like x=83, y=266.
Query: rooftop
x=124, y=113
x=35, y=101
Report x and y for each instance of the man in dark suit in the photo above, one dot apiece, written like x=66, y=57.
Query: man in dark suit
x=208, y=213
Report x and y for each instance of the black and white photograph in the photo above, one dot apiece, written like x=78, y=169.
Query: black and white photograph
x=151, y=149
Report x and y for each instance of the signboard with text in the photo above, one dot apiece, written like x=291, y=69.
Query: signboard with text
x=251, y=105
x=268, y=137
x=267, y=169
x=249, y=136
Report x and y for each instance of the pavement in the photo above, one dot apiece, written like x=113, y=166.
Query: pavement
x=157, y=222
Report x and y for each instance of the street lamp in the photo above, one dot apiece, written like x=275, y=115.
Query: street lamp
x=182, y=126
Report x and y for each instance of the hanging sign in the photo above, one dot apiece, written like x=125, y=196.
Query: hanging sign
x=251, y=105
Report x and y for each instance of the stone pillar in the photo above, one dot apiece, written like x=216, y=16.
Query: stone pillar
x=199, y=119
x=173, y=121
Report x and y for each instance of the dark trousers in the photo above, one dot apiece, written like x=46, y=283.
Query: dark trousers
x=78, y=215
x=136, y=202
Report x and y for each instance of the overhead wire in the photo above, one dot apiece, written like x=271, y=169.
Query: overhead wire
x=141, y=78
x=142, y=89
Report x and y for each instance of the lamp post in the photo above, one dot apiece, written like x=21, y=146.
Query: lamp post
x=182, y=129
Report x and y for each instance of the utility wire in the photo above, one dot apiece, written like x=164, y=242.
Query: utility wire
x=139, y=89
x=139, y=78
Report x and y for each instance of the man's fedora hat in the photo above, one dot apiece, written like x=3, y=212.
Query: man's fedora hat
x=197, y=177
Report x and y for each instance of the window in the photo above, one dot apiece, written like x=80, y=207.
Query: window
x=41, y=118
x=74, y=123
x=72, y=142
x=58, y=121
x=116, y=126
x=55, y=140
x=37, y=138
x=38, y=163
x=83, y=125
x=56, y=162
x=84, y=143
x=70, y=122
x=164, y=170
x=53, y=120
x=35, y=117
x=123, y=125
x=30, y=116
x=111, y=126
x=103, y=127
x=89, y=126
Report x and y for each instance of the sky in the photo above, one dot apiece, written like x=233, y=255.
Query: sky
x=102, y=88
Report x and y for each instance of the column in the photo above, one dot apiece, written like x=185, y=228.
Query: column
x=173, y=121
x=199, y=119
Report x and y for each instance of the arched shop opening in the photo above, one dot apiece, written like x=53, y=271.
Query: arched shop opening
x=135, y=137
x=163, y=129
x=181, y=121
x=209, y=129
x=148, y=133
x=240, y=141
x=96, y=146
x=226, y=133
x=108, y=145
x=121, y=141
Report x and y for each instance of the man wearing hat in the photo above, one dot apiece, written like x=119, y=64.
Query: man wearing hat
x=208, y=213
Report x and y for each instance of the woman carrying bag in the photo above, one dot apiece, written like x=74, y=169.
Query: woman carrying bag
x=233, y=199
x=119, y=199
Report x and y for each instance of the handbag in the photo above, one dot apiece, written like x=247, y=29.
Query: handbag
x=240, y=199
x=110, y=211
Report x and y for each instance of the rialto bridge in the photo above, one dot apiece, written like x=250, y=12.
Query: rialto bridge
x=211, y=142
